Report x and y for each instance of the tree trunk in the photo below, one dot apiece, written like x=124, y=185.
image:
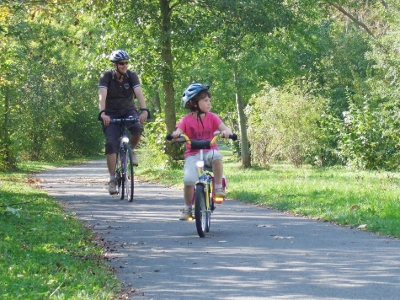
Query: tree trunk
x=167, y=75
x=244, y=141
x=157, y=102
x=6, y=154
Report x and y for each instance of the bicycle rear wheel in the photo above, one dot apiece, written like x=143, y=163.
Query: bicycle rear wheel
x=128, y=175
x=200, y=211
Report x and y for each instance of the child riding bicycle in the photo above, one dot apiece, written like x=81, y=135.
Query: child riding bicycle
x=200, y=124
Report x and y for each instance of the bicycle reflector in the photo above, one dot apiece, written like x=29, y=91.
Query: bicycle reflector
x=125, y=139
x=218, y=199
x=200, y=163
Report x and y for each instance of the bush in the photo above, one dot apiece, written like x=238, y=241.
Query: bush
x=283, y=125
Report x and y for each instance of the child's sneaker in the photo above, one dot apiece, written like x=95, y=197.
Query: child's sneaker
x=186, y=214
x=219, y=192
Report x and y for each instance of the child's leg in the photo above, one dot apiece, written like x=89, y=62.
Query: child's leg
x=188, y=191
x=190, y=177
x=214, y=158
x=218, y=170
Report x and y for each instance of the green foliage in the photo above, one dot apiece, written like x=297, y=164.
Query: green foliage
x=368, y=137
x=45, y=253
x=283, y=125
x=52, y=99
x=369, y=128
x=51, y=58
x=154, y=144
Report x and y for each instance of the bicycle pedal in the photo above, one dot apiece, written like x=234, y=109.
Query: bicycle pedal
x=219, y=200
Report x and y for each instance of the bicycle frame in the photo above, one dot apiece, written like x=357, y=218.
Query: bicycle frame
x=124, y=170
x=206, y=179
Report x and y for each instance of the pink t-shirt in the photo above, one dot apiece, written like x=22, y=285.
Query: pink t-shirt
x=194, y=129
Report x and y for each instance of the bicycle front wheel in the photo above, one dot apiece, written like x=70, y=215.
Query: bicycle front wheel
x=128, y=175
x=200, y=211
x=118, y=173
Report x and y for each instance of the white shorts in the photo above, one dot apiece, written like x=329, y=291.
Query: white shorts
x=190, y=175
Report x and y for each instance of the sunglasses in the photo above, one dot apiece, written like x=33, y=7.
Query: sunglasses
x=121, y=63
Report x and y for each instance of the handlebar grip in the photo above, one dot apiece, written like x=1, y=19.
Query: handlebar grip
x=169, y=137
x=233, y=137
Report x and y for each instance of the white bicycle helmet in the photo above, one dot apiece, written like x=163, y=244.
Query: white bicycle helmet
x=118, y=55
x=192, y=90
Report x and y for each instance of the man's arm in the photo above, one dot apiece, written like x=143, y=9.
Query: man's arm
x=139, y=95
x=102, y=106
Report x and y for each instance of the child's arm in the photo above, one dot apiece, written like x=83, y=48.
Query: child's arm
x=175, y=134
x=225, y=131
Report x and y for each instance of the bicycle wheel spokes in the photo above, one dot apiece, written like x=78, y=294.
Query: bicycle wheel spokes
x=129, y=175
x=200, y=210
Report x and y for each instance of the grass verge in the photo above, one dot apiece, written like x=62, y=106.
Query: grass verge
x=45, y=253
x=365, y=199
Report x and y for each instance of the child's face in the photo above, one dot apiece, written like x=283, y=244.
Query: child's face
x=205, y=104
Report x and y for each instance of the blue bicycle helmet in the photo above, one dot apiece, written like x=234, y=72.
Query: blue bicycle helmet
x=192, y=90
x=118, y=55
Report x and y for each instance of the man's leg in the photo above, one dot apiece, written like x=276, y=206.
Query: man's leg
x=134, y=140
x=111, y=162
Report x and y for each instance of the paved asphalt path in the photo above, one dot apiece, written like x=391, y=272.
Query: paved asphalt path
x=250, y=253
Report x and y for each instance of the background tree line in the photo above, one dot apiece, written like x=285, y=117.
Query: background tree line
x=305, y=81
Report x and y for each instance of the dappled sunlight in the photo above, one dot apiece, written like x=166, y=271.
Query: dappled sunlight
x=250, y=251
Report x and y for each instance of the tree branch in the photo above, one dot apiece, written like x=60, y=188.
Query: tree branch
x=354, y=19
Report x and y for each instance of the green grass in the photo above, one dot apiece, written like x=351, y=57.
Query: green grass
x=45, y=253
x=350, y=198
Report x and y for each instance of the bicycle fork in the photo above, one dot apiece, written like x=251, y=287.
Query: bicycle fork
x=205, y=180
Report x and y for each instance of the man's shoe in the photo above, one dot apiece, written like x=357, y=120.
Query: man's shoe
x=219, y=192
x=112, y=187
x=135, y=161
x=186, y=214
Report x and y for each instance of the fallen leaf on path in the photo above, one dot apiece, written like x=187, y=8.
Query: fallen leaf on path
x=277, y=237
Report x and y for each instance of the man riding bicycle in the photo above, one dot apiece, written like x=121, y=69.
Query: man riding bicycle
x=117, y=90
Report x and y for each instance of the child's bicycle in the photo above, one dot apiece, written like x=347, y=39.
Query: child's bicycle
x=204, y=196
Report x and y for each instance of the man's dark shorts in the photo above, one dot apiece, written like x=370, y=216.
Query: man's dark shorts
x=112, y=133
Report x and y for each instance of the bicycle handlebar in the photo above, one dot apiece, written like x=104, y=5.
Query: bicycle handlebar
x=128, y=119
x=183, y=138
x=131, y=119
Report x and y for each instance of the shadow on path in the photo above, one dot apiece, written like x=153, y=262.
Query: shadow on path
x=250, y=252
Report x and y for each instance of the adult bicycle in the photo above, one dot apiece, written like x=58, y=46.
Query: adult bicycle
x=124, y=169
x=204, y=198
